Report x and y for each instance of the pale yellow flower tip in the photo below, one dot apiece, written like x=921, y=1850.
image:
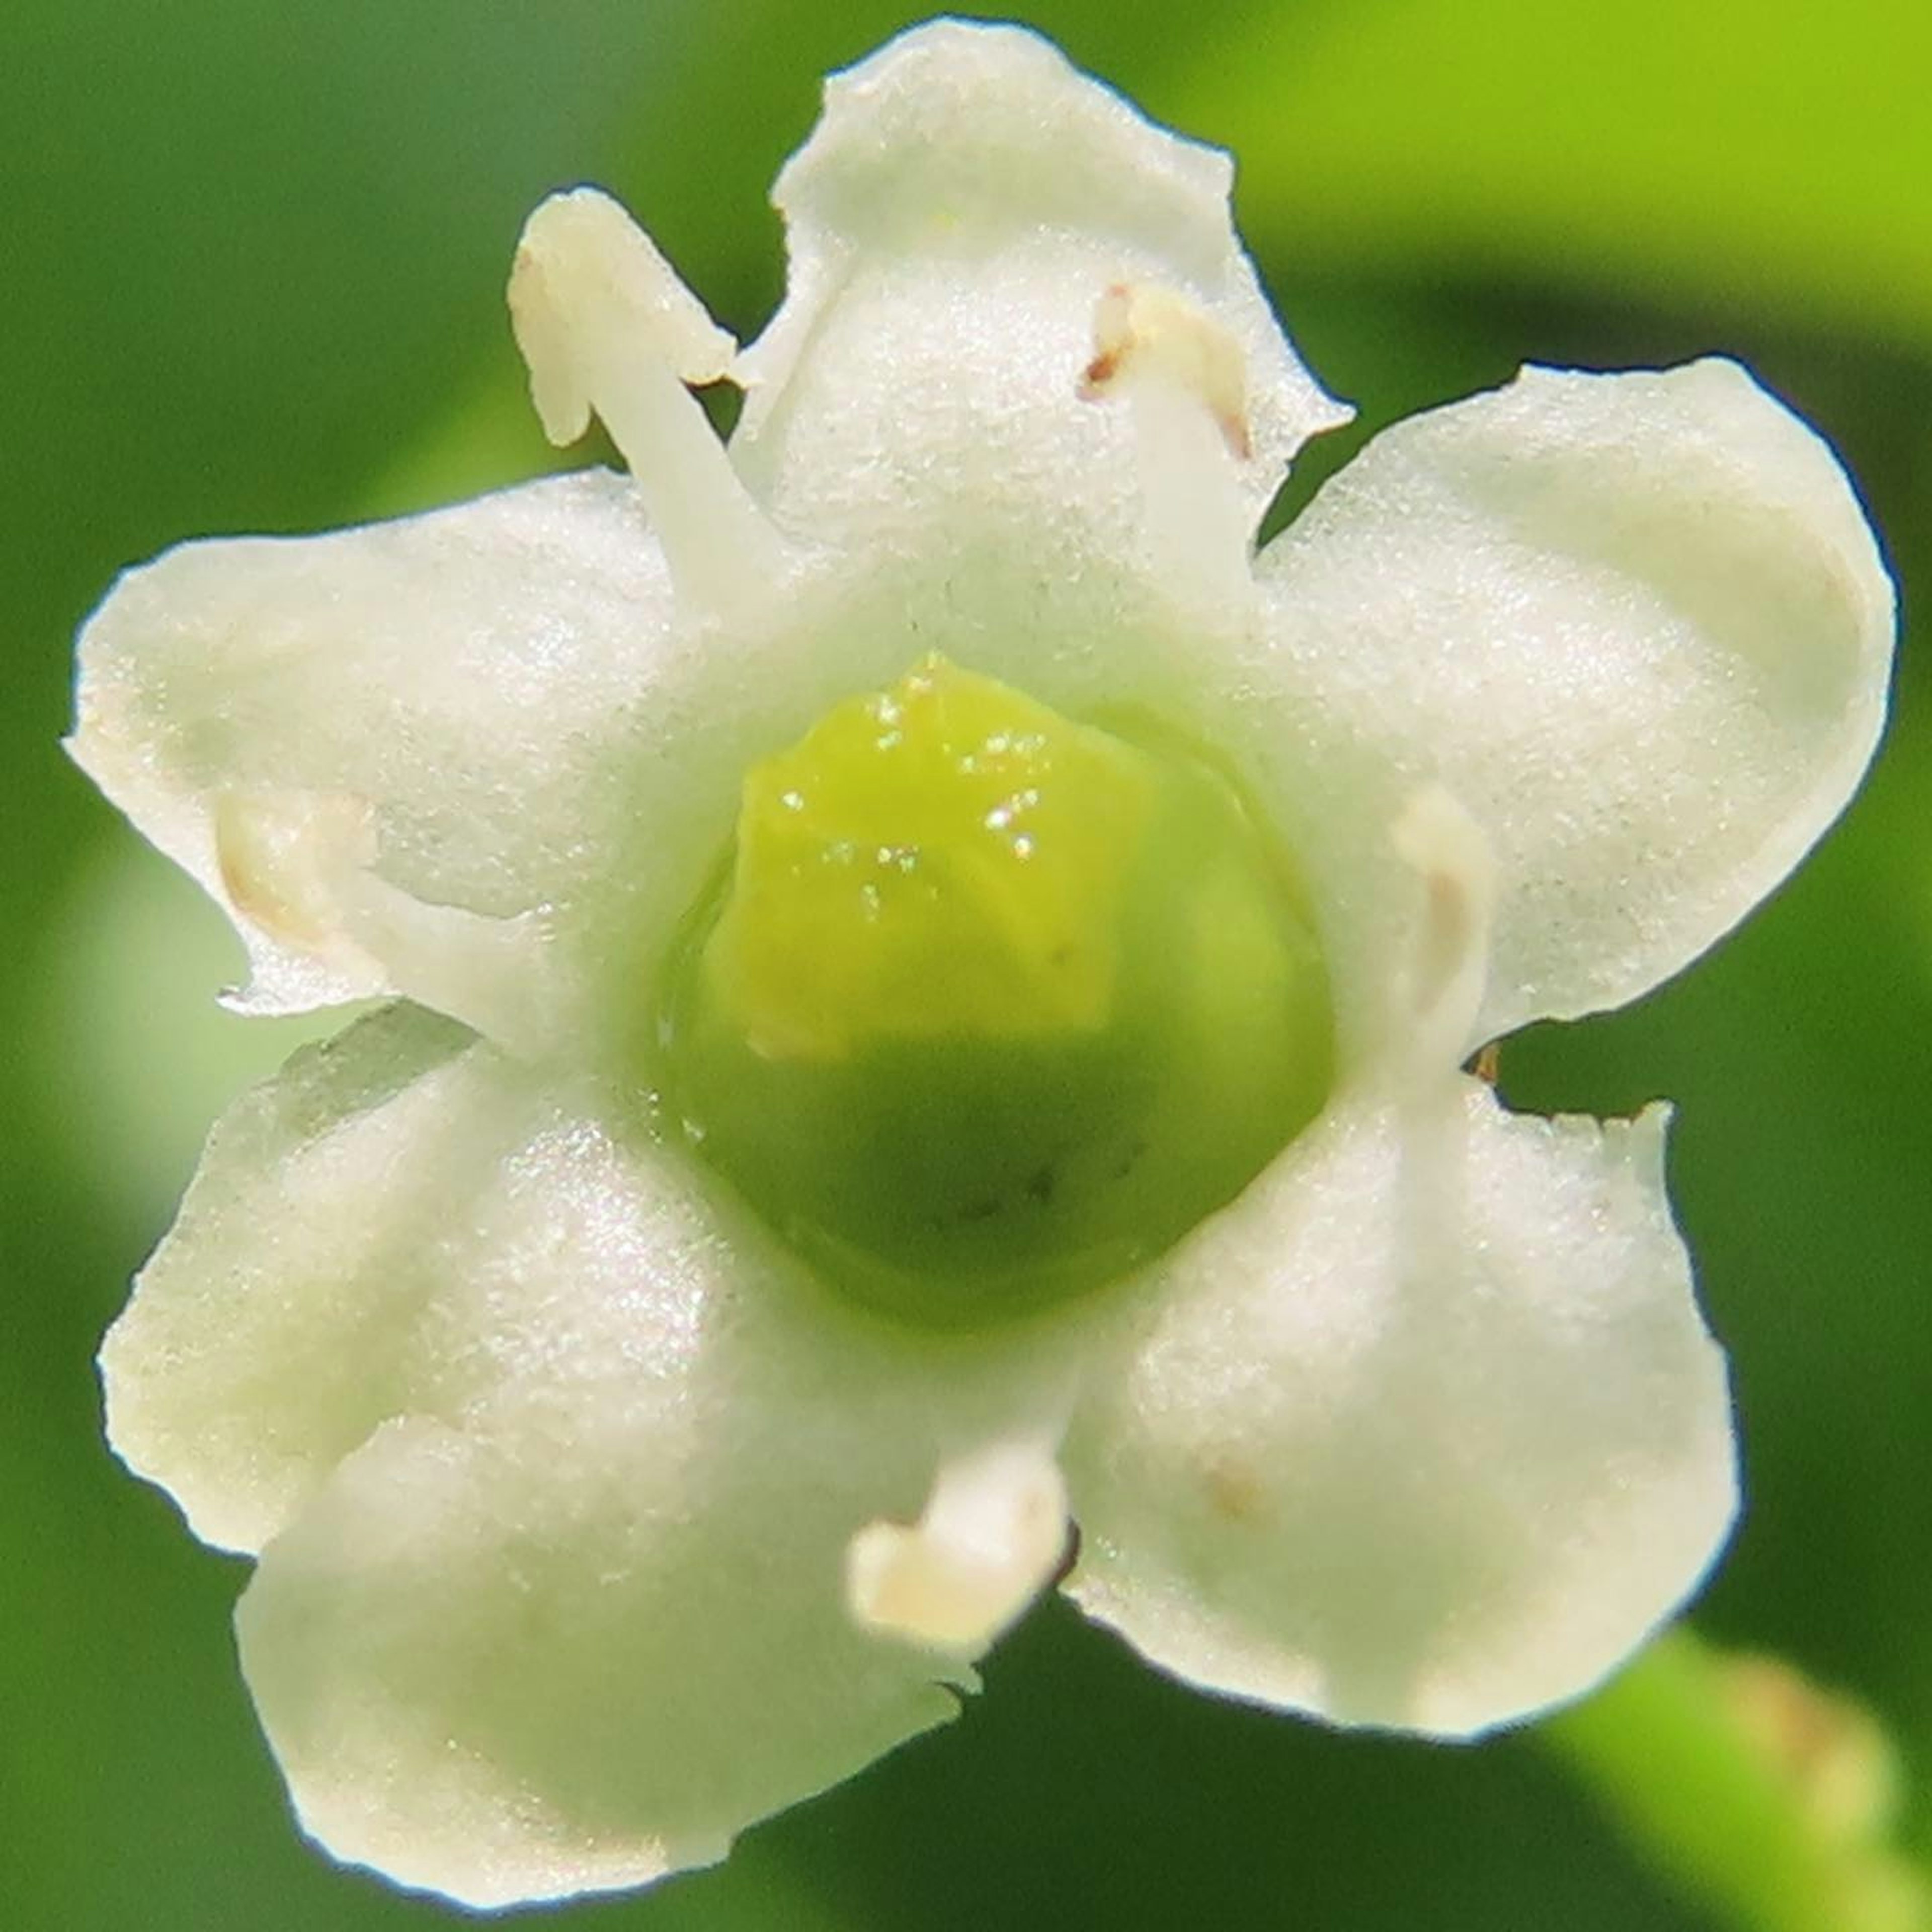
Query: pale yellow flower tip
x=585, y=274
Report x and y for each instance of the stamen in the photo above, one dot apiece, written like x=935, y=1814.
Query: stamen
x=1142, y=332
x=492, y=974
x=993, y=1533
x=281, y=856
x=605, y=324
x=298, y=866
x=1185, y=377
x=1448, y=970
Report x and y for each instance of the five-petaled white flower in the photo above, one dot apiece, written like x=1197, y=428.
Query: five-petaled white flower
x=595, y=1520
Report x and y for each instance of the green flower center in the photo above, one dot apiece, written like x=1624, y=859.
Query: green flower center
x=991, y=1005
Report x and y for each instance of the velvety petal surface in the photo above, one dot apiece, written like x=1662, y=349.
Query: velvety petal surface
x=275, y=1325
x=488, y=1679
x=1636, y=624
x=568, y=1478
x=480, y=1681
x=954, y=223
x=1424, y=1432
x=591, y=1614
x=383, y=748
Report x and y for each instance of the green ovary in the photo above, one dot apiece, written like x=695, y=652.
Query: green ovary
x=992, y=1005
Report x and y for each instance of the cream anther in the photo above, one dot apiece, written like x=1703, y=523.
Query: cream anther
x=1184, y=377
x=298, y=866
x=993, y=1532
x=1145, y=333
x=605, y=325
x=283, y=856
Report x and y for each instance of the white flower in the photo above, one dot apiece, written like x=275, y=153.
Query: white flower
x=593, y=1525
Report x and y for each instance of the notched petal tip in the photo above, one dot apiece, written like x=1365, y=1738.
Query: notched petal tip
x=964, y=198
x=582, y=264
x=956, y=120
x=993, y=1532
x=1864, y=582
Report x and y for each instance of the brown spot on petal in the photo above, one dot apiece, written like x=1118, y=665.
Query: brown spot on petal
x=1235, y=1491
x=1098, y=374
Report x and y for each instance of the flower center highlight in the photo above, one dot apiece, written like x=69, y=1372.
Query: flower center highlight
x=990, y=1005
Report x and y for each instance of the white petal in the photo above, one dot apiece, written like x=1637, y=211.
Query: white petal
x=388, y=752
x=272, y=1329
x=587, y=1619
x=1425, y=1437
x=955, y=222
x=561, y=1462
x=1636, y=624
x=482, y=1682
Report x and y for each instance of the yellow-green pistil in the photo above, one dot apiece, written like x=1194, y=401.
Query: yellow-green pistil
x=993, y=1005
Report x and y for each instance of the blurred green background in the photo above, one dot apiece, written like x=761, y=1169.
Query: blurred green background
x=253, y=264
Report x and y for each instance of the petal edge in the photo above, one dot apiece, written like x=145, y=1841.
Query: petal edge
x=1434, y=1493
x=1638, y=623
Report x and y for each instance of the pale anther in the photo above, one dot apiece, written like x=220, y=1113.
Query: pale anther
x=1143, y=333
x=605, y=325
x=1184, y=376
x=993, y=1532
x=298, y=866
x=283, y=856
